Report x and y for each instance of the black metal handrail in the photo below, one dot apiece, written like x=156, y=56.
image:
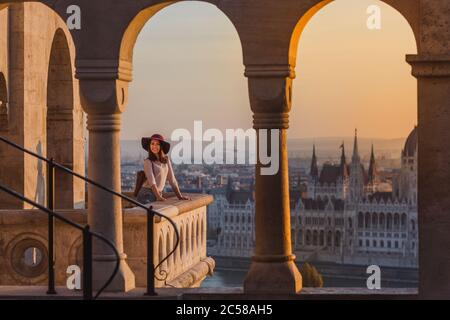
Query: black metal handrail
x=150, y=216
x=87, y=245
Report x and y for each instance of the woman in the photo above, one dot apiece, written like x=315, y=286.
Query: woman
x=157, y=168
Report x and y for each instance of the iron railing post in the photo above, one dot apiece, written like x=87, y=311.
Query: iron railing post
x=87, y=263
x=51, y=226
x=150, y=264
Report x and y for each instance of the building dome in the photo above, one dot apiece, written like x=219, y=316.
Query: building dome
x=411, y=144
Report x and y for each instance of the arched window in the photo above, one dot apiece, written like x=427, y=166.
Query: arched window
x=374, y=220
x=396, y=221
x=367, y=220
x=389, y=221
x=403, y=220
x=315, y=238
x=360, y=220
x=337, y=239
x=329, y=239
x=413, y=225
x=350, y=223
x=308, y=237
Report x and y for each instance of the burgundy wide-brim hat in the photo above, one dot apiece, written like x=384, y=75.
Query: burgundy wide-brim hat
x=165, y=146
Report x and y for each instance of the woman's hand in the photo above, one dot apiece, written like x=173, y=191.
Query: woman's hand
x=161, y=198
x=184, y=198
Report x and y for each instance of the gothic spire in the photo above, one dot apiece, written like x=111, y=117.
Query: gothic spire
x=314, y=172
x=343, y=165
x=355, y=157
x=372, y=167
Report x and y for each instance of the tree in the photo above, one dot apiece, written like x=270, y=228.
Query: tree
x=311, y=277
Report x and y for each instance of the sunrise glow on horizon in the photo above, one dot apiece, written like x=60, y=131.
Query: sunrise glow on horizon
x=188, y=63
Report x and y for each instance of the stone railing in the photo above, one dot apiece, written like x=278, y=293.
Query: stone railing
x=189, y=265
x=23, y=244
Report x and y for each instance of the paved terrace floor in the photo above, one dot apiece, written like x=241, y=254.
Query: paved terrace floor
x=38, y=293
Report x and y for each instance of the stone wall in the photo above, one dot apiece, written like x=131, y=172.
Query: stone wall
x=22, y=230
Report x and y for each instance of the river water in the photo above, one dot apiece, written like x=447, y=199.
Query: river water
x=224, y=278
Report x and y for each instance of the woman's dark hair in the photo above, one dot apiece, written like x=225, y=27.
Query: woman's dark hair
x=162, y=156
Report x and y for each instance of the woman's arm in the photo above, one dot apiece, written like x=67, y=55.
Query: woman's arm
x=158, y=196
x=174, y=183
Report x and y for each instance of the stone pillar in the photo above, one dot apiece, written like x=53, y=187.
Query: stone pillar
x=104, y=100
x=273, y=268
x=433, y=74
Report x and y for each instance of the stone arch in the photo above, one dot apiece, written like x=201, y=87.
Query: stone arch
x=138, y=21
x=203, y=230
x=408, y=10
x=188, y=238
x=176, y=257
x=199, y=233
x=161, y=251
x=169, y=248
x=63, y=141
x=193, y=236
x=182, y=243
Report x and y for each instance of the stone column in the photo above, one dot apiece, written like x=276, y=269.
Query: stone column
x=273, y=269
x=104, y=100
x=433, y=74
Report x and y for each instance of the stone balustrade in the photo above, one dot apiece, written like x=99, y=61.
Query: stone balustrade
x=23, y=244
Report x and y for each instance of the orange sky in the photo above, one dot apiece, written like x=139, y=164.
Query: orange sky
x=188, y=66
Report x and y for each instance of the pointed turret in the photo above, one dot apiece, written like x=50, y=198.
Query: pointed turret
x=356, y=187
x=314, y=172
x=372, y=168
x=343, y=164
x=355, y=156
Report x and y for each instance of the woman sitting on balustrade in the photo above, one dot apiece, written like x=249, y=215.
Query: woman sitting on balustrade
x=158, y=169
